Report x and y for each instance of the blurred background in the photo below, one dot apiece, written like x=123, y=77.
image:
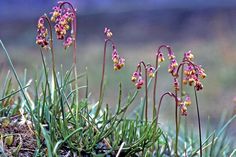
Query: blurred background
x=208, y=28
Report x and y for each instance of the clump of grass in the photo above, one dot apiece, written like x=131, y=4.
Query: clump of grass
x=66, y=124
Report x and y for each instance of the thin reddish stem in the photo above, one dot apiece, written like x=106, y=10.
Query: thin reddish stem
x=199, y=122
x=176, y=123
x=50, y=41
x=103, y=74
x=155, y=79
x=146, y=95
x=160, y=102
x=146, y=87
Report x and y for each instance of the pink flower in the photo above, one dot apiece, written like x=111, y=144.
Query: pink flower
x=120, y=64
x=176, y=84
x=137, y=79
x=183, y=110
x=172, y=67
x=135, y=76
x=139, y=83
x=117, y=60
x=151, y=71
x=68, y=42
x=161, y=57
x=188, y=55
x=187, y=101
x=171, y=55
x=107, y=32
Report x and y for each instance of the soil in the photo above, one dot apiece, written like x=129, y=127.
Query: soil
x=23, y=139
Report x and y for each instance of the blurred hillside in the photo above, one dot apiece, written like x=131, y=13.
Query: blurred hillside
x=21, y=9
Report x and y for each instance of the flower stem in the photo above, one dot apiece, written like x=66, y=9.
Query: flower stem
x=74, y=31
x=181, y=91
x=51, y=43
x=155, y=80
x=146, y=87
x=155, y=113
x=160, y=102
x=176, y=124
x=102, y=80
x=103, y=73
x=146, y=95
x=199, y=122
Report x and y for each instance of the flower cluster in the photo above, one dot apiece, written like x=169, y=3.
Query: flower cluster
x=173, y=63
x=184, y=104
x=63, y=17
x=137, y=79
x=118, y=61
x=42, y=32
x=173, y=66
x=176, y=84
x=193, y=72
x=137, y=75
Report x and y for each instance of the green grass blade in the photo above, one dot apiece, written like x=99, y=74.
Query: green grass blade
x=18, y=81
x=48, y=141
x=60, y=142
x=13, y=93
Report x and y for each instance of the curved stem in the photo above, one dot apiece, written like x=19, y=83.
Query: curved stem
x=74, y=30
x=103, y=69
x=103, y=73
x=146, y=88
x=155, y=79
x=51, y=42
x=199, y=122
x=182, y=64
x=155, y=113
x=160, y=102
x=53, y=56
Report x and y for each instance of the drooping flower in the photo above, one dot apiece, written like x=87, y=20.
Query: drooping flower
x=201, y=72
x=135, y=76
x=151, y=71
x=107, y=32
x=139, y=82
x=188, y=55
x=173, y=67
x=115, y=56
x=120, y=64
x=40, y=23
x=161, y=57
x=187, y=101
x=176, y=84
x=56, y=11
x=118, y=61
x=198, y=85
x=68, y=42
x=183, y=110
x=171, y=55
